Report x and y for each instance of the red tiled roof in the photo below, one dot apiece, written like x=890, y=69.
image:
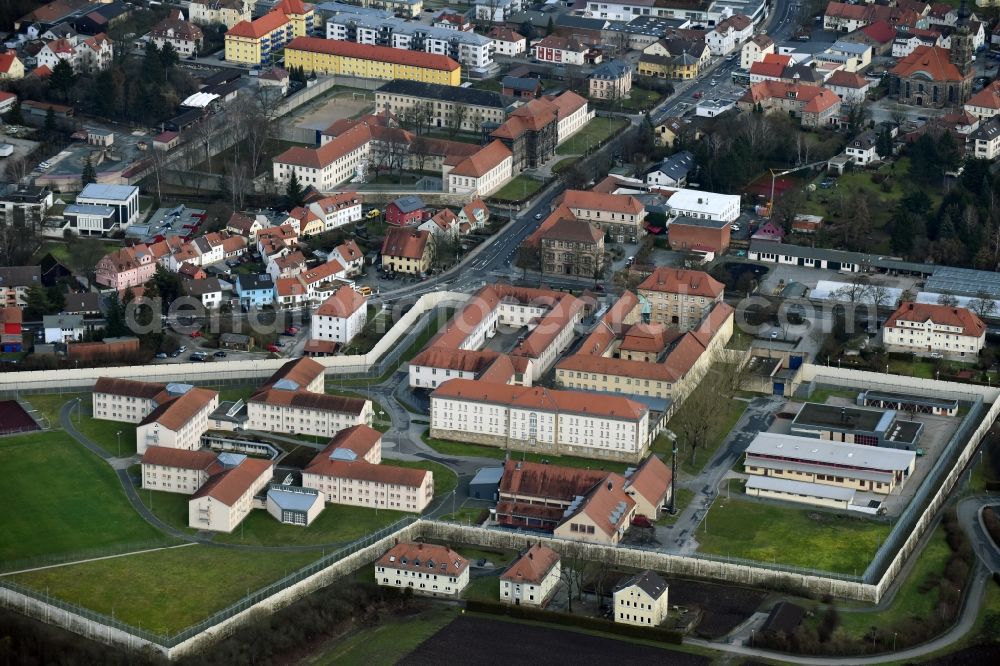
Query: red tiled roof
x=424, y=557
x=651, y=480
x=540, y=481
x=302, y=371
x=174, y=414
x=933, y=61
x=129, y=388
x=366, y=471
x=772, y=65
x=612, y=203
x=180, y=458
x=359, y=439
x=988, y=97
x=648, y=337
x=370, y=52
x=533, y=566
x=230, y=485
x=572, y=229
x=482, y=162
x=504, y=34
x=257, y=28
x=683, y=281
x=7, y=59
x=880, y=31
x=329, y=152
x=602, y=502
x=307, y=400
x=343, y=303
x=404, y=242
x=845, y=79
x=944, y=315
x=462, y=360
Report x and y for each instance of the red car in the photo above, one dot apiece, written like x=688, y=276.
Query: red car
x=196, y=334
x=641, y=521
x=291, y=330
x=698, y=95
x=273, y=348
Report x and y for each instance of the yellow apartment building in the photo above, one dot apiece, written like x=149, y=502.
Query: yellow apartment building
x=326, y=56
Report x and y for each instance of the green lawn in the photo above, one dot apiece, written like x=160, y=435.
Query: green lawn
x=450, y=448
x=483, y=589
x=910, y=603
x=497, y=558
x=59, y=498
x=445, y=480
x=915, y=368
x=684, y=497
x=234, y=393
x=105, y=434
x=386, y=642
x=338, y=524
x=167, y=590
x=381, y=423
x=49, y=404
x=520, y=188
x=564, y=164
x=805, y=537
x=466, y=515
x=729, y=414
x=591, y=136
x=171, y=508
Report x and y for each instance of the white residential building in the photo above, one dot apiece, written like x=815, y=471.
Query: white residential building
x=305, y=413
x=574, y=113
x=482, y=173
x=341, y=317
x=177, y=470
x=226, y=12
x=126, y=400
x=539, y=419
x=329, y=165
x=497, y=11
x=729, y=34
x=337, y=209
x=507, y=42
x=932, y=328
x=178, y=423
x=60, y=329
x=754, y=50
x=427, y=569
x=986, y=140
x=227, y=498
x=641, y=600
x=532, y=579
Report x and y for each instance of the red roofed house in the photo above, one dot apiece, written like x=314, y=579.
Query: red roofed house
x=406, y=211
x=620, y=215
x=340, y=317
x=406, y=251
x=769, y=68
x=508, y=42
x=177, y=422
x=649, y=485
x=769, y=231
x=926, y=328
x=532, y=579
x=11, y=67
x=878, y=35
x=531, y=133
x=227, y=497
x=564, y=51
x=680, y=297
x=986, y=103
x=572, y=246
x=348, y=472
x=849, y=86
x=933, y=76
x=483, y=173
x=815, y=106
x=546, y=421
x=127, y=267
x=425, y=568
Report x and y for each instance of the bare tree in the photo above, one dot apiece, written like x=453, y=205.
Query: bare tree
x=948, y=299
x=983, y=304
x=17, y=167
x=204, y=131
x=456, y=119
x=898, y=115
x=880, y=295
x=857, y=290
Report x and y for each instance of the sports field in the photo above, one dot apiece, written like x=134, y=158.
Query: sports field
x=59, y=498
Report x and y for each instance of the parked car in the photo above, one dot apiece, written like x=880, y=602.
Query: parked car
x=641, y=521
x=291, y=330
x=273, y=349
x=734, y=227
x=698, y=95
x=161, y=355
x=219, y=354
x=196, y=357
x=175, y=353
x=182, y=349
x=196, y=334
x=538, y=216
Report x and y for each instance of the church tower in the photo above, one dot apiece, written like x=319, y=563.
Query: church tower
x=961, y=42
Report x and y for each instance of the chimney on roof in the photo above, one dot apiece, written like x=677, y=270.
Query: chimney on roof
x=531, y=555
x=610, y=484
x=420, y=546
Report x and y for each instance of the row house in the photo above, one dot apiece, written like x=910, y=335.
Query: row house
x=305, y=413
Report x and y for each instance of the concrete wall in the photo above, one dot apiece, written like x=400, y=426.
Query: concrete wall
x=226, y=372
x=867, y=380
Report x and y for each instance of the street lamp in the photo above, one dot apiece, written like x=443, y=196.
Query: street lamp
x=119, y=443
x=672, y=436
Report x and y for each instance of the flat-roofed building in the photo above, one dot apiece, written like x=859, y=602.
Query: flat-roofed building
x=641, y=600
x=177, y=470
x=293, y=505
x=867, y=468
x=227, y=497
x=178, y=423
x=425, y=568
x=911, y=404
x=800, y=492
x=123, y=200
x=532, y=579
x=856, y=425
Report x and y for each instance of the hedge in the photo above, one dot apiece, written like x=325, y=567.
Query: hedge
x=657, y=634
